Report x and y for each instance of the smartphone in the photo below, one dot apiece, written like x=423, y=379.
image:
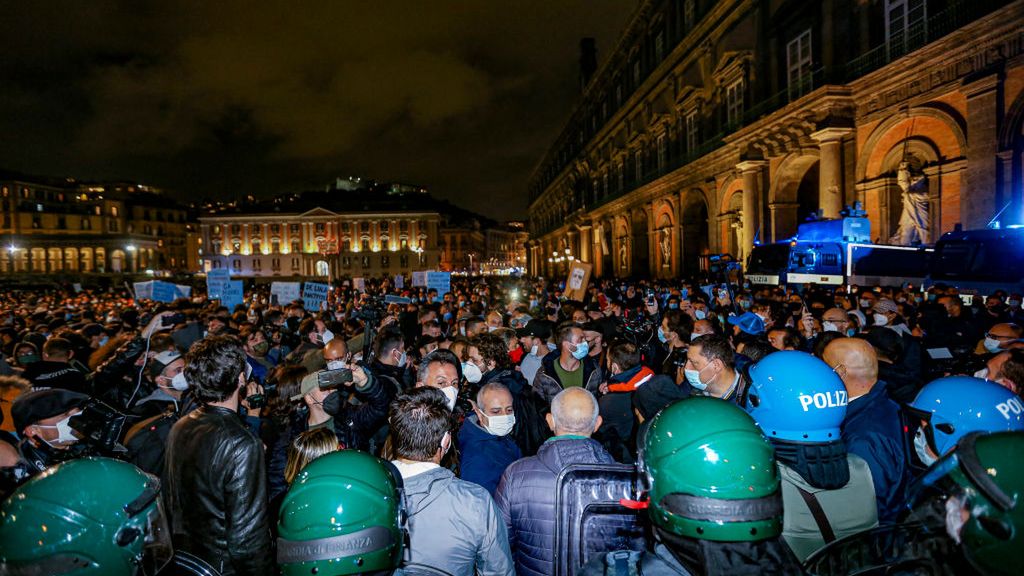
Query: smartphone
x=331, y=379
x=173, y=319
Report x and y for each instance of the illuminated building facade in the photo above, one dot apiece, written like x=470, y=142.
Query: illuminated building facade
x=713, y=125
x=62, y=226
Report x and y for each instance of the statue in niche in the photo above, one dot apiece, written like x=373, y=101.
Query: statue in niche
x=914, y=226
x=623, y=254
x=666, y=248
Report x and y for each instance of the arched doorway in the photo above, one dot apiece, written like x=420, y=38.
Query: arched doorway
x=794, y=196
x=694, y=232
x=117, y=261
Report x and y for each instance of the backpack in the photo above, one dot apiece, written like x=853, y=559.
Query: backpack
x=146, y=442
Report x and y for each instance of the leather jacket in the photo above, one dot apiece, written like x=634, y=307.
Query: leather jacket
x=216, y=492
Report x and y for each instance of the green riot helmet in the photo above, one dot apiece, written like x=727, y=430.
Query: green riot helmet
x=983, y=482
x=344, y=514
x=710, y=473
x=87, y=516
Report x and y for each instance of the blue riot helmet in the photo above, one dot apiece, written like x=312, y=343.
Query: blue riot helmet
x=795, y=397
x=956, y=405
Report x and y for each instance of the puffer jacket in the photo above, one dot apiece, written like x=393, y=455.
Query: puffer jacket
x=526, y=498
x=216, y=492
x=455, y=526
x=484, y=456
x=546, y=381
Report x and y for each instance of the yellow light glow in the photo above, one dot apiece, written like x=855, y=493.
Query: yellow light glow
x=285, y=250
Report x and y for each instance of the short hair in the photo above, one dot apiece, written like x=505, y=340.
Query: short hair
x=625, y=354
x=507, y=335
x=306, y=447
x=1013, y=369
x=419, y=420
x=248, y=332
x=758, y=349
x=212, y=367
x=307, y=326
x=574, y=423
x=681, y=324
x=57, y=347
x=565, y=330
x=473, y=323
x=441, y=356
x=388, y=340
x=490, y=387
x=715, y=347
x=492, y=348
x=790, y=337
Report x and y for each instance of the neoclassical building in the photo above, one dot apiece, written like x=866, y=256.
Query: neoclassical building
x=713, y=125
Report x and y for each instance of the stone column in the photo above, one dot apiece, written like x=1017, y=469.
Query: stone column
x=830, y=169
x=586, y=244
x=1007, y=193
x=751, y=171
x=978, y=195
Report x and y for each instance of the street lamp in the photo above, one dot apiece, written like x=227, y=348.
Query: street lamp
x=130, y=248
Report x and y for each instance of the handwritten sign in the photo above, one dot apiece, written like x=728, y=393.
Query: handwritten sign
x=285, y=292
x=216, y=280
x=419, y=278
x=314, y=294
x=232, y=294
x=440, y=281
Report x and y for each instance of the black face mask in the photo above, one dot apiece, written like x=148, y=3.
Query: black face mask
x=332, y=403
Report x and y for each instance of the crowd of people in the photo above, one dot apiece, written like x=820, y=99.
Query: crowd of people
x=724, y=428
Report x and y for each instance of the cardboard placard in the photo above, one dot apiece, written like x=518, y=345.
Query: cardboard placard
x=440, y=281
x=284, y=293
x=314, y=294
x=216, y=280
x=419, y=278
x=232, y=294
x=399, y=281
x=577, y=280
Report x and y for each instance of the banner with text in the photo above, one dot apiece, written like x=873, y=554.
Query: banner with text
x=314, y=294
x=284, y=293
x=216, y=280
x=440, y=281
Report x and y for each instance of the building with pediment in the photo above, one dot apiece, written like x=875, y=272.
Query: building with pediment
x=715, y=124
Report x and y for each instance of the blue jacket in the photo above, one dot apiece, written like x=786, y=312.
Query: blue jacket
x=484, y=456
x=873, y=430
x=526, y=498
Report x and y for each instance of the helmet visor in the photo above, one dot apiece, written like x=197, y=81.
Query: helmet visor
x=157, y=551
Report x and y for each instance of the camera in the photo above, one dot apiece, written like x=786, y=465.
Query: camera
x=331, y=379
x=256, y=401
x=100, y=426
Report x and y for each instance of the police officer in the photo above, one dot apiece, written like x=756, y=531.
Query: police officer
x=344, y=514
x=714, y=497
x=800, y=403
x=87, y=516
x=950, y=407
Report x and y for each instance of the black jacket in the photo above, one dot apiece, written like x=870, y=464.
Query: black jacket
x=216, y=492
x=47, y=374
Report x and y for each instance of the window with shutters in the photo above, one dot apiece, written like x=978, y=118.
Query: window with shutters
x=798, y=64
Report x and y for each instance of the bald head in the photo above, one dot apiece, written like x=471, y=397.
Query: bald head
x=574, y=411
x=336, y=349
x=856, y=363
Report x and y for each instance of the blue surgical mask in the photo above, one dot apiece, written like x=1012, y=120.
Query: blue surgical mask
x=447, y=316
x=851, y=332
x=673, y=305
x=693, y=377
x=921, y=447
x=582, y=349
x=104, y=340
x=661, y=335
x=700, y=314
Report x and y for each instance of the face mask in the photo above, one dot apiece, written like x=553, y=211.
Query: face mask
x=103, y=341
x=326, y=337
x=533, y=350
x=582, y=349
x=983, y=373
x=332, y=403
x=700, y=314
x=447, y=316
x=932, y=297
x=829, y=326
x=462, y=330
x=292, y=324
x=402, y=358
x=745, y=304
x=694, y=336
x=954, y=518
x=992, y=345
x=471, y=372
x=500, y=425
x=1014, y=303
x=516, y=355
x=335, y=364
x=921, y=447
x=673, y=306
x=450, y=393
x=261, y=348
x=693, y=377
x=64, y=433
x=179, y=382
x=661, y=335
x=28, y=359
x=850, y=332
x=880, y=319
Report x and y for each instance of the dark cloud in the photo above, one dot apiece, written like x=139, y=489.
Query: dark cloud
x=228, y=98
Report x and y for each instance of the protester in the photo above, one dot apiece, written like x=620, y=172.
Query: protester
x=485, y=446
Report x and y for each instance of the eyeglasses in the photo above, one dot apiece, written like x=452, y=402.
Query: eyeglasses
x=998, y=337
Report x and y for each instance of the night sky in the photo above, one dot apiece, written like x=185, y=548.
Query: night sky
x=227, y=98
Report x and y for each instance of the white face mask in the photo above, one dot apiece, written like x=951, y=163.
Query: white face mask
x=829, y=326
x=921, y=447
x=65, y=434
x=471, y=372
x=450, y=393
x=179, y=382
x=992, y=345
x=700, y=314
x=327, y=336
x=880, y=319
x=335, y=365
x=983, y=373
x=500, y=425
x=533, y=350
